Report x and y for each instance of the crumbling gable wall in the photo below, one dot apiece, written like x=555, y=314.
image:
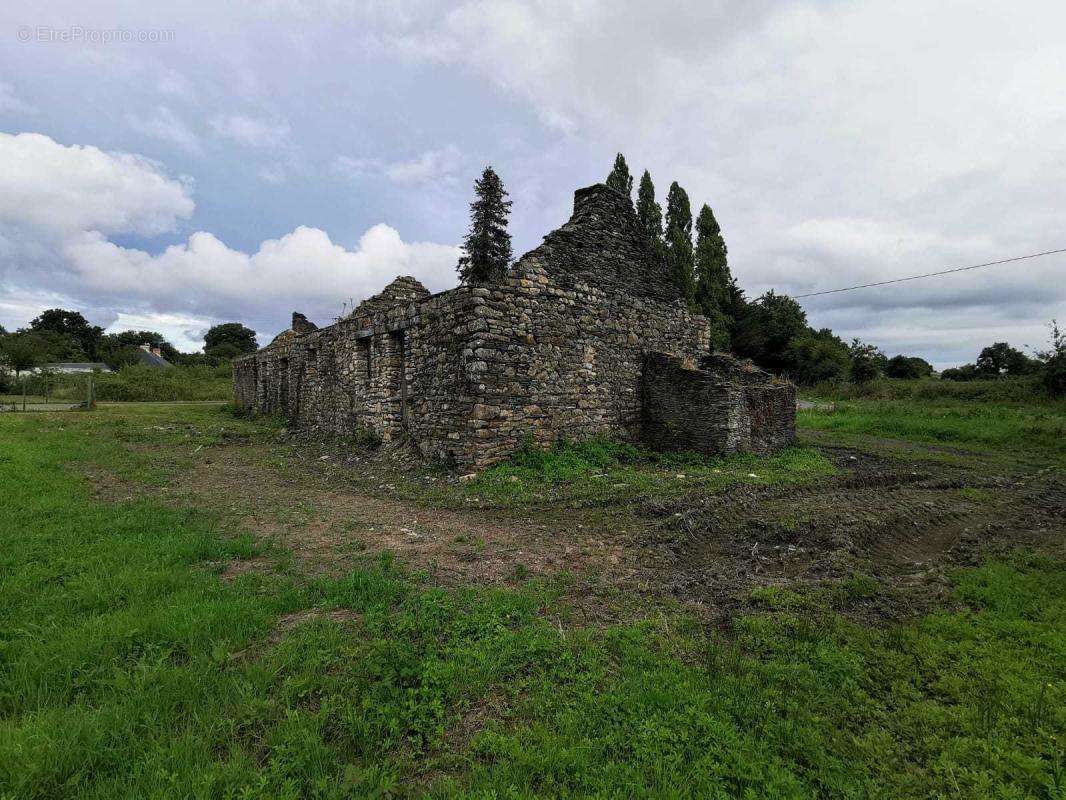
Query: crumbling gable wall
x=558, y=347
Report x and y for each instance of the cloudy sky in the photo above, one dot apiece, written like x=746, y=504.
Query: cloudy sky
x=207, y=164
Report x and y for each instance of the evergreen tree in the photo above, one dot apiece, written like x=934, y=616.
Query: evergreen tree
x=620, y=180
x=679, y=255
x=488, y=244
x=713, y=281
x=649, y=213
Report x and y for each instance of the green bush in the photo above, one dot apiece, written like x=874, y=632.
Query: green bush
x=141, y=383
x=569, y=459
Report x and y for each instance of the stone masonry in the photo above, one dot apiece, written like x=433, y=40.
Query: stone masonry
x=740, y=406
x=558, y=350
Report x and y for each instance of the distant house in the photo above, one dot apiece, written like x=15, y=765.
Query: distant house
x=149, y=356
x=73, y=367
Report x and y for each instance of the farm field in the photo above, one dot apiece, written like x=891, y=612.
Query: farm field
x=200, y=605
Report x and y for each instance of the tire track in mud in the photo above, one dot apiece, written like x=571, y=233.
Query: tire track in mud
x=901, y=524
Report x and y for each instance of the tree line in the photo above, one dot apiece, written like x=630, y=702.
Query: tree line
x=61, y=336
x=772, y=329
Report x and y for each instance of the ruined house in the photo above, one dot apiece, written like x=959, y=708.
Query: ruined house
x=585, y=337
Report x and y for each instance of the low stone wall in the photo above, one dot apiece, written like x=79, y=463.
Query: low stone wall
x=719, y=405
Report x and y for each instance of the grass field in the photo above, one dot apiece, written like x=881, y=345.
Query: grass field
x=137, y=660
x=1033, y=430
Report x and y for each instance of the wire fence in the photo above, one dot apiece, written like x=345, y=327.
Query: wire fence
x=25, y=403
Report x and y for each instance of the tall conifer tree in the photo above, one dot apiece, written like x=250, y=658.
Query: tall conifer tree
x=679, y=253
x=714, y=284
x=620, y=180
x=488, y=244
x=649, y=213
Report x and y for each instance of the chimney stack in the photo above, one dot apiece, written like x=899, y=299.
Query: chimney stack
x=157, y=352
x=301, y=324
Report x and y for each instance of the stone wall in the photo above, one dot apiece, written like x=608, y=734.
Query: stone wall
x=720, y=405
x=558, y=348
x=554, y=351
x=393, y=367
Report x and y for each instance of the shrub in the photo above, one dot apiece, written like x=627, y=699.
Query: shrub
x=865, y=361
x=141, y=383
x=908, y=367
x=1054, y=363
x=967, y=372
x=568, y=460
x=818, y=356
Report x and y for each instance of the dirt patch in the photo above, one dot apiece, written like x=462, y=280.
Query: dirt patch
x=330, y=527
x=905, y=525
x=231, y=570
x=107, y=487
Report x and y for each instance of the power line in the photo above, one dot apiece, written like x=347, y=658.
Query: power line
x=930, y=274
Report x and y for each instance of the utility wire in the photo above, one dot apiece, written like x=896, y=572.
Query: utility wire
x=930, y=274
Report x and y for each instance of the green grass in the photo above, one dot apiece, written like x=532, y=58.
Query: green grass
x=128, y=668
x=601, y=472
x=1024, y=430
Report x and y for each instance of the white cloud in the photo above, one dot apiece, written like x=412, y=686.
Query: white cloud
x=273, y=173
x=173, y=83
x=303, y=270
x=60, y=204
x=252, y=132
x=164, y=124
x=64, y=189
x=432, y=165
x=439, y=164
x=348, y=167
x=183, y=331
x=11, y=103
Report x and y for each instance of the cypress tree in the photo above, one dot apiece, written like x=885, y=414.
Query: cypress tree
x=488, y=244
x=620, y=180
x=714, y=283
x=649, y=213
x=679, y=255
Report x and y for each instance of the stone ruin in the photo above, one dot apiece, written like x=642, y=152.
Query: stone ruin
x=586, y=336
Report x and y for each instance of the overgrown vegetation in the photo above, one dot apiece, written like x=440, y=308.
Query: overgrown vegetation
x=1019, y=430
x=1026, y=389
x=601, y=471
x=128, y=668
x=138, y=383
